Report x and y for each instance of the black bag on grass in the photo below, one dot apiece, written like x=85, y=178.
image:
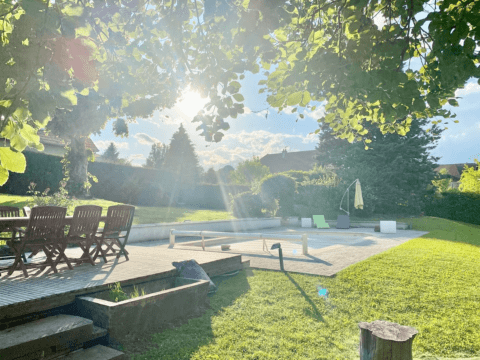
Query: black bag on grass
x=189, y=269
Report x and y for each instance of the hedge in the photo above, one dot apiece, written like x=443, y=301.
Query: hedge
x=455, y=205
x=120, y=183
x=44, y=170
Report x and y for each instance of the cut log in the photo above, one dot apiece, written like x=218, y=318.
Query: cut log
x=383, y=340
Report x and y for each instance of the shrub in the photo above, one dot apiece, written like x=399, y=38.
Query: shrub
x=117, y=294
x=60, y=198
x=281, y=188
x=247, y=205
x=455, y=205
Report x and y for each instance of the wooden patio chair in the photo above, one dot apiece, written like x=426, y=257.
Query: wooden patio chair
x=117, y=228
x=83, y=229
x=11, y=211
x=45, y=231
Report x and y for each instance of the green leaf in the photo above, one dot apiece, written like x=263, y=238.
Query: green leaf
x=70, y=95
x=306, y=98
x=12, y=160
x=329, y=118
x=73, y=10
x=238, y=97
x=453, y=102
x=137, y=54
x=5, y=103
x=295, y=98
x=3, y=176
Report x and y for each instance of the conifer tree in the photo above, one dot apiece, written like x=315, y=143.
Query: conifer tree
x=181, y=160
x=111, y=154
x=157, y=155
x=394, y=171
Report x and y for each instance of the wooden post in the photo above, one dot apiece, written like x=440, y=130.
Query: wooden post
x=305, y=244
x=172, y=238
x=383, y=340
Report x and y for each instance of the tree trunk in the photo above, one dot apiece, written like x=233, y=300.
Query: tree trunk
x=383, y=340
x=77, y=167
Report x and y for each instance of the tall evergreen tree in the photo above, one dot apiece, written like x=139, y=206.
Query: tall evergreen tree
x=394, y=170
x=181, y=160
x=111, y=154
x=157, y=155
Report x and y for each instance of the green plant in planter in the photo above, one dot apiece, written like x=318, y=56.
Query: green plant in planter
x=117, y=294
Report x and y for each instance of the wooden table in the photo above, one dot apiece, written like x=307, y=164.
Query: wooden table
x=9, y=222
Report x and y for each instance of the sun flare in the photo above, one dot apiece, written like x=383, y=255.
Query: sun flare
x=191, y=103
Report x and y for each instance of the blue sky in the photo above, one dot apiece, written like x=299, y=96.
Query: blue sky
x=254, y=134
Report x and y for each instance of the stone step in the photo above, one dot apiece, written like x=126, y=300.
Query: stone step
x=43, y=335
x=60, y=351
x=98, y=352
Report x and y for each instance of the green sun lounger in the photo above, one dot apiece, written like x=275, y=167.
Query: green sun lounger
x=319, y=220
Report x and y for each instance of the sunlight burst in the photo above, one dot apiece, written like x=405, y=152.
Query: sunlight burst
x=191, y=103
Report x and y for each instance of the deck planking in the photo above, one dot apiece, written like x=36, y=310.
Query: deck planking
x=47, y=290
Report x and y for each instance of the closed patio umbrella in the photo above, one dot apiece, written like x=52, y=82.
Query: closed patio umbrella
x=358, y=196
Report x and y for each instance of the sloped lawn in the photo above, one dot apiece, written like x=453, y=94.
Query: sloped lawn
x=143, y=214
x=430, y=283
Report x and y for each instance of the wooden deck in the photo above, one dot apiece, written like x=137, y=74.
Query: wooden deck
x=47, y=290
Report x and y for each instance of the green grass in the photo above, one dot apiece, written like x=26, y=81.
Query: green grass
x=429, y=283
x=143, y=214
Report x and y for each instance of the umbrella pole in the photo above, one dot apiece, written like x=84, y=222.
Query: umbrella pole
x=348, y=198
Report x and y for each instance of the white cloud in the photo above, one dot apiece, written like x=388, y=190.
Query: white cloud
x=317, y=113
x=471, y=87
x=137, y=159
x=103, y=144
x=235, y=148
x=247, y=110
x=145, y=139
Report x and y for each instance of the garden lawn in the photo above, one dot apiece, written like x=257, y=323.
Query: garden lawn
x=430, y=283
x=143, y=214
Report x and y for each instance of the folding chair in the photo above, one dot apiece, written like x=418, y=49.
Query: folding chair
x=11, y=211
x=319, y=220
x=44, y=232
x=117, y=228
x=83, y=229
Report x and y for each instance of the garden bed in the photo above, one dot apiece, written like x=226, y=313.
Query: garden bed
x=168, y=301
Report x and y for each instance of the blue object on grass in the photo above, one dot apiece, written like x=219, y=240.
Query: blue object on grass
x=322, y=291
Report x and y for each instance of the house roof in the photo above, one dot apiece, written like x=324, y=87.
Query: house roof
x=299, y=160
x=56, y=141
x=455, y=170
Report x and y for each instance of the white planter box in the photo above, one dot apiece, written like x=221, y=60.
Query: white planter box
x=306, y=222
x=388, y=227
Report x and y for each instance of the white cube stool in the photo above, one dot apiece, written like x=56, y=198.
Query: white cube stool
x=388, y=227
x=307, y=222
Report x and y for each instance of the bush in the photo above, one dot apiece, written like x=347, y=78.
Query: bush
x=60, y=198
x=281, y=188
x=247, y=205
x=455, y=205
x=317, y=200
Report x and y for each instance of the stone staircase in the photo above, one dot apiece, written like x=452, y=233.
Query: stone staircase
x=56, y=337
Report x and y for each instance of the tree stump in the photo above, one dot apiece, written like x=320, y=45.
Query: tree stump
x=383, y=340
